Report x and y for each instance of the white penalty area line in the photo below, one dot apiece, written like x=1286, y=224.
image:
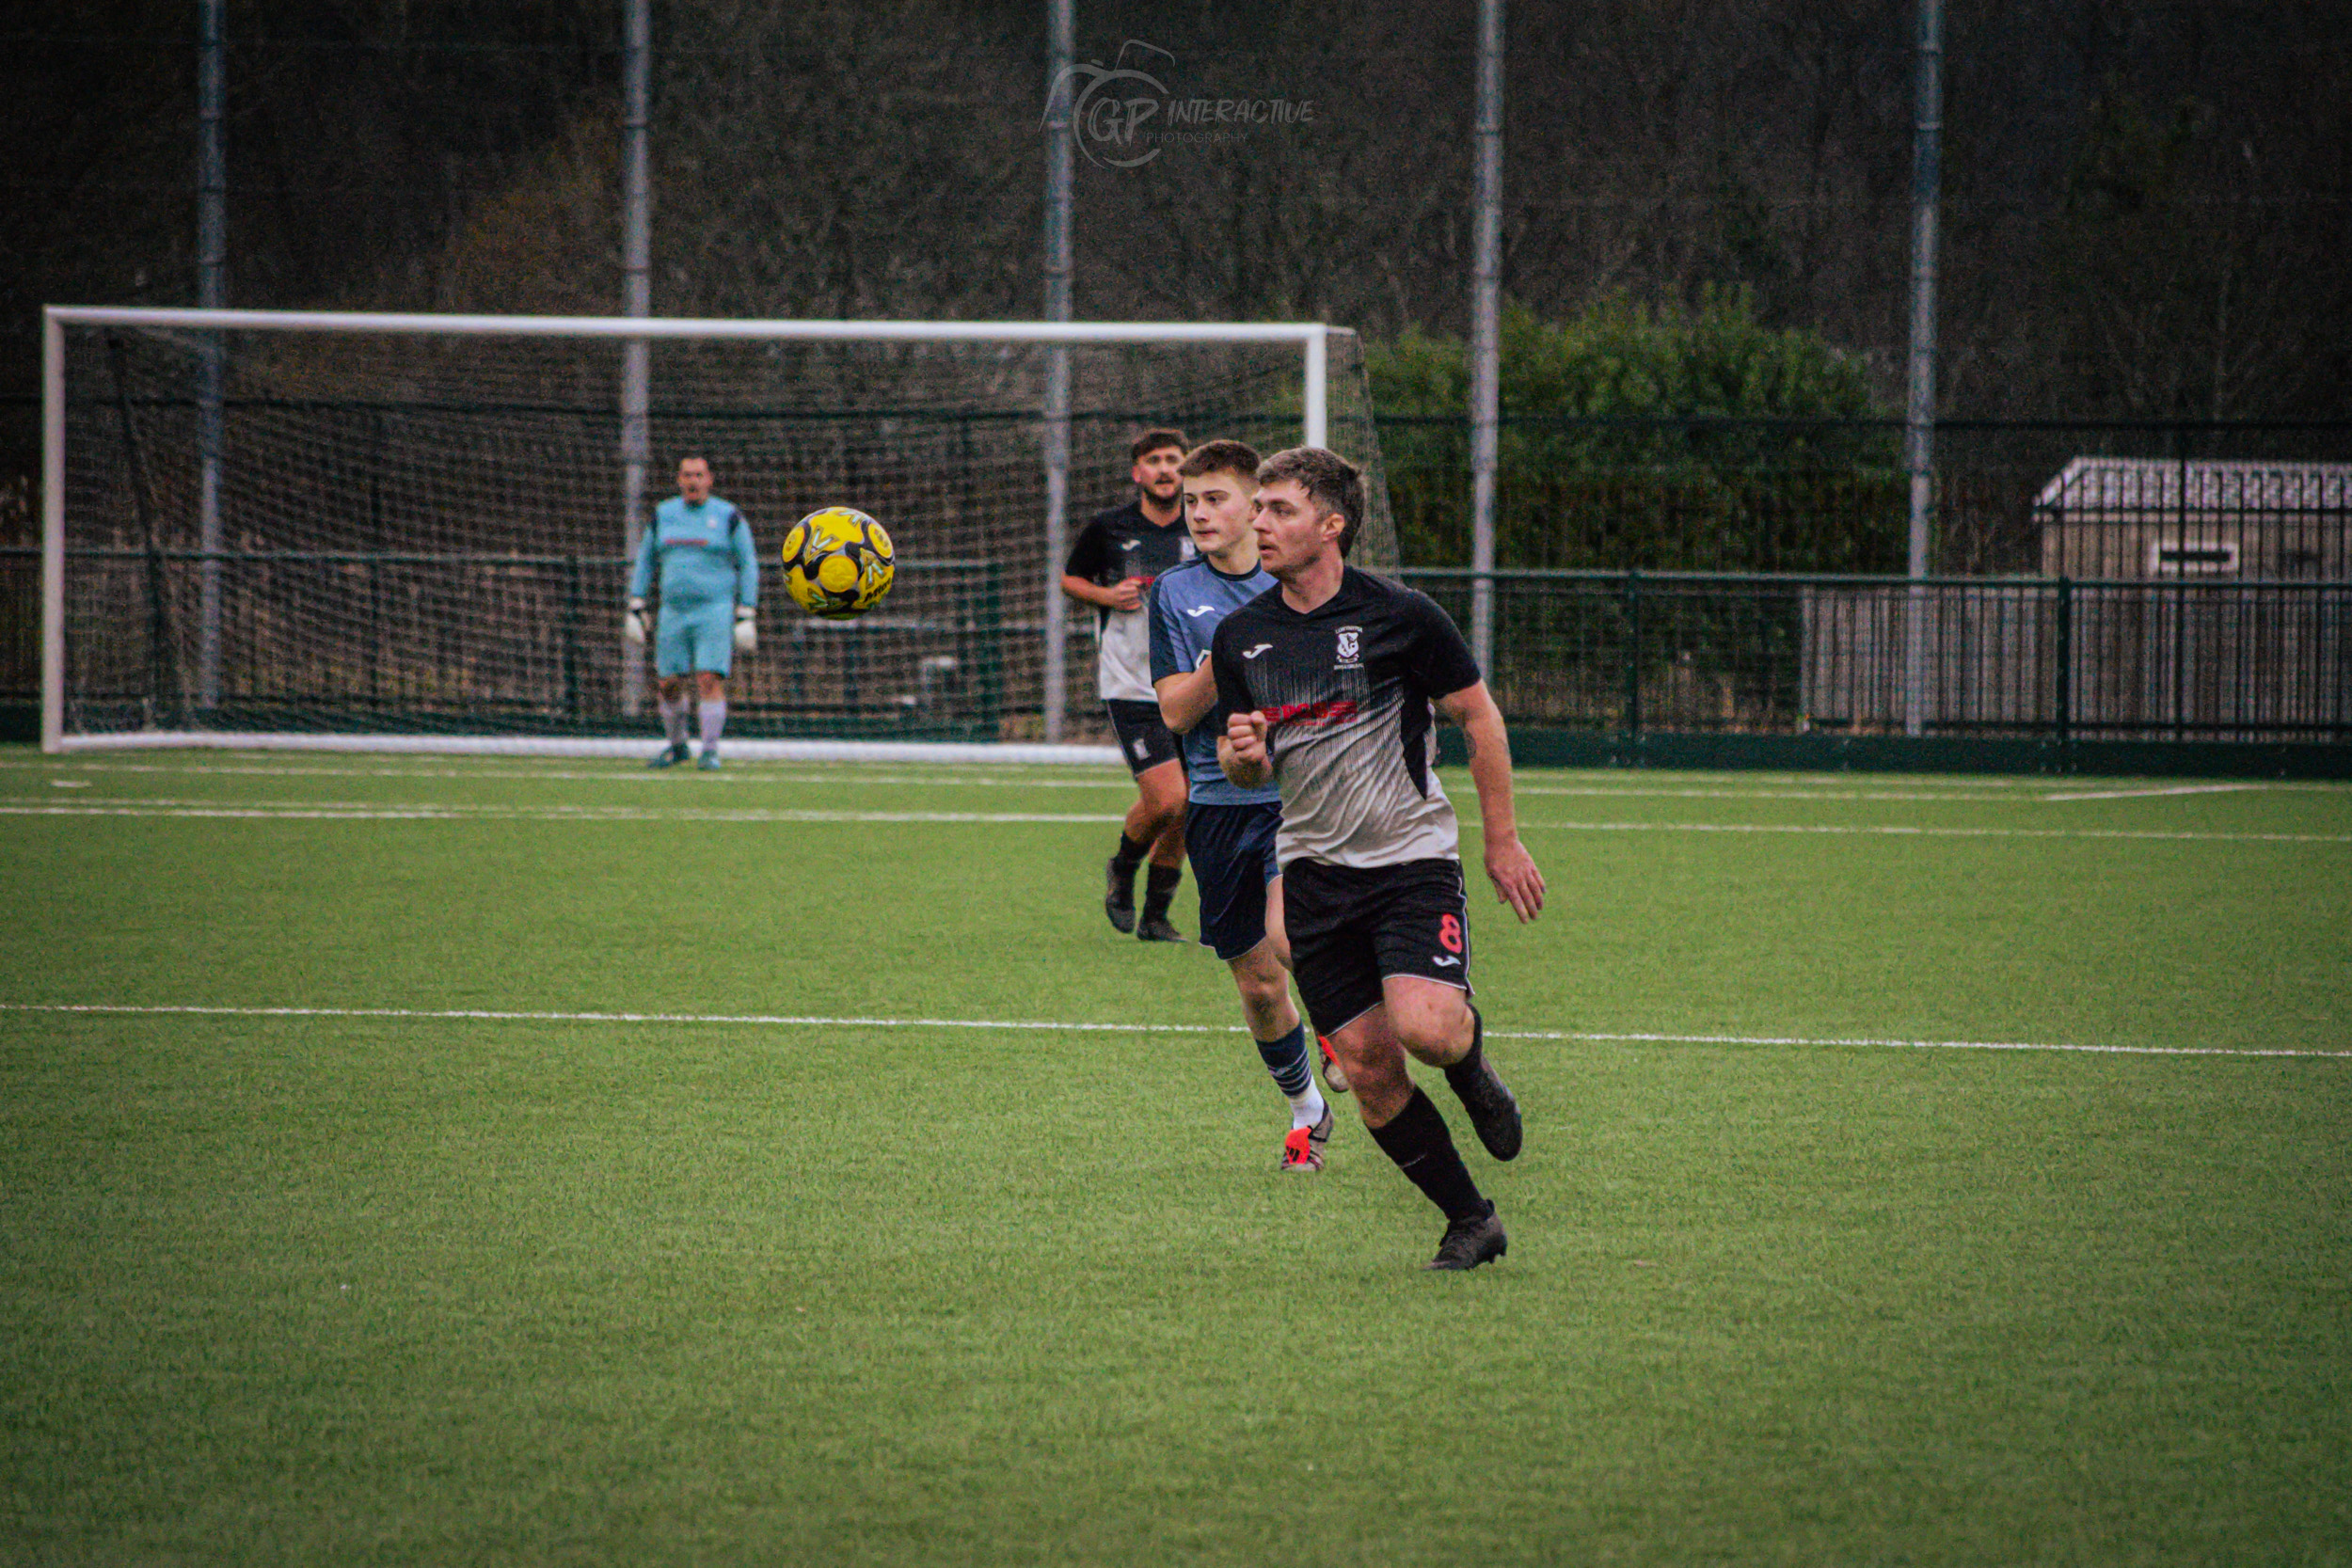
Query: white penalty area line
x=1907, y=831
x=2147, y=794
x=361, y=812
x=863, y=777
x=793, y=1020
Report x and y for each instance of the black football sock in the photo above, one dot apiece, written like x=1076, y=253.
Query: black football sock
x=1464, y=1073
x=1159, y=890
x=1423, y=1150
x=1130, y=855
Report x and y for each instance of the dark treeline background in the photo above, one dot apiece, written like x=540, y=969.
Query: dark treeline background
x=2145, y=210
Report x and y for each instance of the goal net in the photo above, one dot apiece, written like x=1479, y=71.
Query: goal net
x=382, y=527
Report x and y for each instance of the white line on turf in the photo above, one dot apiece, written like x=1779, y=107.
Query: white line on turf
x=769, y=774
x=1059, y=1026
x=362, y=811
x=1902, y=832
x=2142, y=794
x=354, y=812
x=1957, y=797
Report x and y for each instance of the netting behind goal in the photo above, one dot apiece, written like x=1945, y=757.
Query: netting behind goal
x=426, y=534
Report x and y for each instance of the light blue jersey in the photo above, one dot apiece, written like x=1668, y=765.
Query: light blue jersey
x=1187, y=603
x=709, y=561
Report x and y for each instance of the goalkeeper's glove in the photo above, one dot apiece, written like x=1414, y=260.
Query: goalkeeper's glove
x=746, y=628
x=633, y=623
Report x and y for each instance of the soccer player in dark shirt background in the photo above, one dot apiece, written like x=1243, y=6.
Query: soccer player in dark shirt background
x=1329, y=681
x=1111, y=566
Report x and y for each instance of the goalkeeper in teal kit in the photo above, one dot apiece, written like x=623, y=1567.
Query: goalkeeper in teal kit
x=709, y=606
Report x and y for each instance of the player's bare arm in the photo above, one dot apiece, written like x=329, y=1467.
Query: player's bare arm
x=1186, y=699
x=1241, y=751
x=1509, y=867
x=1126, y=594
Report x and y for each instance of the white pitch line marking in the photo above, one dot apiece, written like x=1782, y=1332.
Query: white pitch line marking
x=362, y=811
x=1663, y=794
x=618, y=773
x=1060, y=1027
x=356, y=813
x=2142, y=794
x=1900, y=832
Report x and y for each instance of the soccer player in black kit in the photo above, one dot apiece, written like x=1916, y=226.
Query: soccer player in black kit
x=1111, y=566
x=1329, y=680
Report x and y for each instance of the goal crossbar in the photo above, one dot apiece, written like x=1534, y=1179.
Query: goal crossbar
x=1310, y=338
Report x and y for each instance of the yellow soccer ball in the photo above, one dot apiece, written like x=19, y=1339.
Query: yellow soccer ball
x=838, y=562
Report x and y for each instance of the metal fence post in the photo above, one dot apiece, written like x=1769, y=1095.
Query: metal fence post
x=571, y=639
x=1633, y=654
x=636, y=301
x=1486, y=314
x=2065, y=696
x=1061, y=30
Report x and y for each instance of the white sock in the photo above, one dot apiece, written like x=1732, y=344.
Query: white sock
x=673, y=720
x=1307, y=1109
x=714, y=719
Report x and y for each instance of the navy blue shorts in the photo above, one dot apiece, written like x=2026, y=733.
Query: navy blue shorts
x=1232, y=850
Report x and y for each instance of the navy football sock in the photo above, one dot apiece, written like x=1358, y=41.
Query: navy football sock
x=1286, y=1063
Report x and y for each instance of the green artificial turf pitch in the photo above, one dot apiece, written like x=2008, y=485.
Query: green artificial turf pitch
x=386, y=1282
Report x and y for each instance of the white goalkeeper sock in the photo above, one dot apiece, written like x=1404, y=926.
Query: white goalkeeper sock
x=672, y=718
x=714, y=719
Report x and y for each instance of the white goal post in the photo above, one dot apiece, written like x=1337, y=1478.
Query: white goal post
x=199, y=572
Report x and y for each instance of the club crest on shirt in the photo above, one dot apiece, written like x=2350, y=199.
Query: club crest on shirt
x=1350, y=649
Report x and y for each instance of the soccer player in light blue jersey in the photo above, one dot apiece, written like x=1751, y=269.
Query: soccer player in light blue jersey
x=1230, y=829
x=710, y=575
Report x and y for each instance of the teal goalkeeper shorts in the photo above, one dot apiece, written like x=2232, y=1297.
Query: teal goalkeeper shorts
x=684, y=641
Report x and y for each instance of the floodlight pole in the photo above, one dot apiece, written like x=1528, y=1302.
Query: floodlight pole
x=1920, y=417
x=1062, y=44
x=636, y=301
x=212, y=293
x=1485, y=334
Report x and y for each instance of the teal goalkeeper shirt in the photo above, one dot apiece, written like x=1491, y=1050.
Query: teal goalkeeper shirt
x=707, y=554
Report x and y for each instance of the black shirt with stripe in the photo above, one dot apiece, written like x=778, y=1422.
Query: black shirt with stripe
x=1346, y=690
x=1114, y=545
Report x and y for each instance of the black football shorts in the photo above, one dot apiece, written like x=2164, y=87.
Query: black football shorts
x=1352, y=927
x=1143, y=740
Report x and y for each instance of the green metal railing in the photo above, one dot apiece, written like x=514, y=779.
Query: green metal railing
x=372, y=641
x=1629, y=654
x=388, y=640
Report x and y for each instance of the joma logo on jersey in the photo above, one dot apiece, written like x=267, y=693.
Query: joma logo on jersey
x=1350, y=648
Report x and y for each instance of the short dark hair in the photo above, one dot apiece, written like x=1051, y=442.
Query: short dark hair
x=1152, y=440
x=1330, y=481
x=1221, y=457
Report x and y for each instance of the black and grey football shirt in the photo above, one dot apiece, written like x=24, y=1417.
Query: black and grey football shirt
x=1114, y=545
x=1346, y=690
